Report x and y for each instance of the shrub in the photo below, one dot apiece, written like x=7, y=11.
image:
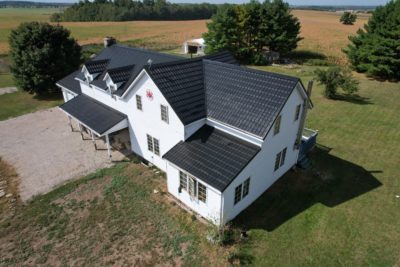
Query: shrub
x=334, y=78
x=348, y=18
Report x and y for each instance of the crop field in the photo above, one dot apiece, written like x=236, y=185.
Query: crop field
x=322, y=31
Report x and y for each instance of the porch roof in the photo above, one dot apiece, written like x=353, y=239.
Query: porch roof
x=93, y=114
x=212, y=156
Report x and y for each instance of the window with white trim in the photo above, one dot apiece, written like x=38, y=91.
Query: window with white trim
x=241, y=191
x=277, y=126
x=164, y=113
x=280, y=159
x=192, y=186
x=246, y=187
x=238, y=194
x=153, y=145
x=139, y=102
x=297, y=114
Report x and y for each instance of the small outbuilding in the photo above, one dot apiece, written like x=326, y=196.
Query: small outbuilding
x=194, y=46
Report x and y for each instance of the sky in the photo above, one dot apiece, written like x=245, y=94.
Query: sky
x=292, y=2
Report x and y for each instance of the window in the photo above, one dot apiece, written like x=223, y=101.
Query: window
x=153, y=145
x=238, y=193
x=195, y=189
x=202, y=194
x=164, y=113
x=246, y=187
x=280, y=159
x=277, y=125
x=139, y=102
x=183, y=180
x=156, y=147
x=297, y=115
x=192, y=187
x=283, y=156
x=150, y=143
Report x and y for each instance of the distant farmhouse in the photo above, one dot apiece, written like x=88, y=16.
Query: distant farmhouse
x=223, y=133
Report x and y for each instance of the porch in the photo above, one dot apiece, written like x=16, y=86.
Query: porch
x=105, y=127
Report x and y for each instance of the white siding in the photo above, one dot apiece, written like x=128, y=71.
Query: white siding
x=67, y=95
x=261, y=168
x=209, y=210
x=144, y=122
x=193, y=127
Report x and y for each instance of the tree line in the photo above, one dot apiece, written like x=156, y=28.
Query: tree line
x=124, y=10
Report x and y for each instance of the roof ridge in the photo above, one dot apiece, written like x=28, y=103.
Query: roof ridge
x=144, y=50
x=251, y=70
x=121, y=68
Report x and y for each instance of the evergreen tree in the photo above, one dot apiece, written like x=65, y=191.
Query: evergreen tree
x=375, y=50
x=42, y=54
x=252, y=29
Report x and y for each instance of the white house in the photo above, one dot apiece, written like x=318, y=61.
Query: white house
x=223, y=133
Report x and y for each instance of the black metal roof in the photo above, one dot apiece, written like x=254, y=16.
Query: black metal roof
x=95, y=115
x=69, y=82
x=241, y=97
x=96, y=65
x=245, y=98
x=212, y=156
x=121, y=74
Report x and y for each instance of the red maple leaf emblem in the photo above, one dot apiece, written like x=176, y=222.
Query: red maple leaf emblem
x=149, y=94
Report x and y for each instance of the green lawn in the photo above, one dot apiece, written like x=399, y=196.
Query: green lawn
x=19, y=103
x=111, y=217
x=344, y=211
x=6, y=80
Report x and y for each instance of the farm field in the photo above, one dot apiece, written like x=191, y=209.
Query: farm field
x=322, y=31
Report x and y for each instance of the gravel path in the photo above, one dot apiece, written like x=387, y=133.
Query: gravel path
x=46, y=153
x=6, y=90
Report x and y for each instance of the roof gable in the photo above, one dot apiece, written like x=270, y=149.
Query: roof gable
x=245, y=98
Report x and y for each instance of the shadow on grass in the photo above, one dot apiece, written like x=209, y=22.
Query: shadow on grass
x=355, y=99
x=305, y=56
x=340, y=181
x=48, y=96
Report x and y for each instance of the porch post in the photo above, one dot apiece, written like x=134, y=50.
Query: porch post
x=80, y=130
x=94, y=141
x=108, y=146
x=70, y=123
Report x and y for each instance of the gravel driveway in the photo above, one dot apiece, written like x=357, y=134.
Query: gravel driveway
x=46, y=153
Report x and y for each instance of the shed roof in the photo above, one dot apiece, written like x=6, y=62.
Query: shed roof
x=97, y=116
x=212, y=156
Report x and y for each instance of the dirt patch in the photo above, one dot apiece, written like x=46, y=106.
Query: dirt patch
x=45, y=153
x=8, y=190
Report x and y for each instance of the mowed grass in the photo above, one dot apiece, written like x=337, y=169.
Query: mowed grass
x=19, y=103
x=111, y=217
x=345, y=211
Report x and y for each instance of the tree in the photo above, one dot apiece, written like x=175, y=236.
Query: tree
x=41, y=54
x=348, y=18
x=375, y=50
x=336, y=77
x=252, y=29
